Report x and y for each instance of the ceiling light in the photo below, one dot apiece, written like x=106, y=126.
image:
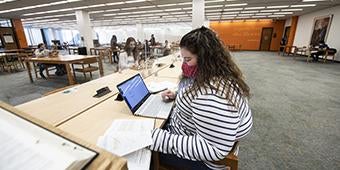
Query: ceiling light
x=296, y=9
x=134, y=1
x=312, y=0
x=213, y=1
x=213, y=14
x=229, y=15
x=250, y=8
x=143, y=7
x=245, y=14
x=165, y=5
x=283, y=13
x=258, y=16
x=230, y=5
x=174, y=9
x=280, y=6
x=304, y=5
x=114, y=3
x=214, y=6
x=185, y=3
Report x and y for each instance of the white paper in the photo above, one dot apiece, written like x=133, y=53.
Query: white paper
x=139, y=160
x=127, y=135
x=26, y=146
x=158, y=86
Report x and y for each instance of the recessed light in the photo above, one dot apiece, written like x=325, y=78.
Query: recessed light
x=272, y=10
x=296, y=9
x=260, y=7
x=280, y=6
x=283, y=13
x=303, y=5
x=230, y=5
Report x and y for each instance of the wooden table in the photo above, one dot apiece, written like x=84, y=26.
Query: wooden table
x=63, y=59
x=62, y=106
x=92, y=124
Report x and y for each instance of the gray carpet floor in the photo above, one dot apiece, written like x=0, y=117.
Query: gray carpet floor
x=295, y=108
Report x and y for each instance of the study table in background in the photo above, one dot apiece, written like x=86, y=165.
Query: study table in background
x=65, y=60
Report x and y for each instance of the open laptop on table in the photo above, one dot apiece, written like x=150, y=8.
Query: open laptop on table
x=140, y=101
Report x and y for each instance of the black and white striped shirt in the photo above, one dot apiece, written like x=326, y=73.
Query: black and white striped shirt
x=204, y=126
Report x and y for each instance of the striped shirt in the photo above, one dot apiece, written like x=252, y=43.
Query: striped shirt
x=204, y=126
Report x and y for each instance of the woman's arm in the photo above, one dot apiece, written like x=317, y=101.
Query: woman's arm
x=216, y=124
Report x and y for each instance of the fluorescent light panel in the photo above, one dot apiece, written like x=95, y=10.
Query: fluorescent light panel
x=303, y=5
x=280, y=6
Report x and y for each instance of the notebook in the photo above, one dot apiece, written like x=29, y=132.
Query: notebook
x=140, y=101
x=25, y=145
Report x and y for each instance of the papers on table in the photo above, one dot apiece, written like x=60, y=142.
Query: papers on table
x=25, y=145
x=159, y=86
x=127, y=138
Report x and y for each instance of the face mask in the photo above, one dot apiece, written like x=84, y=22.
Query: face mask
x=189, y=71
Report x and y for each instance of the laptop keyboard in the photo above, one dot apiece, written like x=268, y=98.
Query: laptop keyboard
x=154, y=106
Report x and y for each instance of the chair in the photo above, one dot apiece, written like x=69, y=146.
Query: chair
x=329, y=53
x=290, y=50
x=106, y=53
x=231, y=160
x=86, y=67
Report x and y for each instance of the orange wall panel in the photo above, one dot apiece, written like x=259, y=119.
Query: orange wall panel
x=248, y=33
x=19, y=30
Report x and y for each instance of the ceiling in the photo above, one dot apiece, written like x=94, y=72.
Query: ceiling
x=61, y=13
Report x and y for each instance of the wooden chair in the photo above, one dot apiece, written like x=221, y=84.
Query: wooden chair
x=86, y=67
x=329, y=53
x=107, y=53
x=231, y=160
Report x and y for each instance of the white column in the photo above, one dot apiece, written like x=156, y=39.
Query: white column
x=85, y=29
x=197, y=13
x=140, y=32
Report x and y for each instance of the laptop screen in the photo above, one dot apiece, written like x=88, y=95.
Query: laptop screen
x=133, y=91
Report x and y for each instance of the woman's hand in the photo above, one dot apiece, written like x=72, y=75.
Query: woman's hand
x=168, y=95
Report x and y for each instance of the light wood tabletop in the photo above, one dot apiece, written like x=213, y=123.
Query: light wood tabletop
x=92, y=124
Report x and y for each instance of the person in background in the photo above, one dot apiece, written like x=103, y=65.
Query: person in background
x=152, y=40
x=211, y=113
x=322, y=47
x=41, y=51
x=166, y=48
x=129, y=58
x=114, y=48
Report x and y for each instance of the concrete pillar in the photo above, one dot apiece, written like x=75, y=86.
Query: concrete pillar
x=85, y=29
x=140, y=32
x=197, y=13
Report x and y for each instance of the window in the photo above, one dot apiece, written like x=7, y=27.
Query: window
x=5, y=23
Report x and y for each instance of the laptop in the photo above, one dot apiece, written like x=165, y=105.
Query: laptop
x=140, y=101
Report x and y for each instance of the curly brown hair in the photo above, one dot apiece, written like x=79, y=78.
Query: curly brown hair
x=214, y=62
x=130, y=51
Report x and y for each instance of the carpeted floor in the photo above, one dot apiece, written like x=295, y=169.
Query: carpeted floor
x=295, y=108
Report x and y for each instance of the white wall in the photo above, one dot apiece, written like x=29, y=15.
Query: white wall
x=288, y=22
x=305, y=24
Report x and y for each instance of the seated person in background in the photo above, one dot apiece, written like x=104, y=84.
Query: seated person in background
x=129, y=58
x=322, y=47
x=211, y=113
x=167, y=48
x=41, y=51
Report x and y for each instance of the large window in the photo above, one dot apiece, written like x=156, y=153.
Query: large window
x=5, y=23
x=33, y=36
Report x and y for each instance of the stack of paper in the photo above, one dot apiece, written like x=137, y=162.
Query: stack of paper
x=159, y=86
x=127, y=138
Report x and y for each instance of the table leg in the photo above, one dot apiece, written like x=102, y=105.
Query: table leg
x=100, y=64
x=29, y=71
x=69, y=74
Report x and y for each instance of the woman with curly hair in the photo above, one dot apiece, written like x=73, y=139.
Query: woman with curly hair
x=211, y=113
